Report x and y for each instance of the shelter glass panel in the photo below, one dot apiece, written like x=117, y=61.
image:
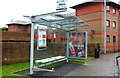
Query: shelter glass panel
x=55, y=45
x=77, y=45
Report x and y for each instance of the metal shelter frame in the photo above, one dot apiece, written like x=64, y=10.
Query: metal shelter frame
x=63, y=20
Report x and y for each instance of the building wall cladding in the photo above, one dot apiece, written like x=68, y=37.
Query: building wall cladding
x=93, y=14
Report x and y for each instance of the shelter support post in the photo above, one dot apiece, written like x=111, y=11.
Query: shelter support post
x=32, y=49
x=67, y=46
x=86, y=46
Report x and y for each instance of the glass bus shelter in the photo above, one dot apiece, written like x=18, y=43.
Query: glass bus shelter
x=62, y=20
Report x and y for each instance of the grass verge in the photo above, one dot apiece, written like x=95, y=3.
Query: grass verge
x=81, y=61
x=8, y=70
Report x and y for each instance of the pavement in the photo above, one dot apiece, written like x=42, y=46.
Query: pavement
x=118, y=66
x=103, y=66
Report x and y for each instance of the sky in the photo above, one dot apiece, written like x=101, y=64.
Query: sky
x=15, y=9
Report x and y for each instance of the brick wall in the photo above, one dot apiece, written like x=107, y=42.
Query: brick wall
x=19, y=28
x=15, y=47
x=15, y=52
x=16, y=36
x=12, y=28
x=91, y=49
x=22, y=28
x=119, y=32
x=89, y=8
x=95, y=18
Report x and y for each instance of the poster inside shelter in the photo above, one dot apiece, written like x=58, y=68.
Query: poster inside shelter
x=78, y=45
x=41, y=39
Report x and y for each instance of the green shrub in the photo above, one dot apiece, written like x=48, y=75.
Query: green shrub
x=99, y=45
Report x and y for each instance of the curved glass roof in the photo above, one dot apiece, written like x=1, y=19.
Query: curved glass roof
x=62, y=20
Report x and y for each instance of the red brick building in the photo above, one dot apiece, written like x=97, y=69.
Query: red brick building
x=18, y=27
x=93, y=14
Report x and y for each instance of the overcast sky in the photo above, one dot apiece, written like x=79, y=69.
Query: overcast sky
x=15, y=9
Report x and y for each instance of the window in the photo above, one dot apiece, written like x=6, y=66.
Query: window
x=108, y=23
x=114, y=11
x=114, y=24
x=108, y=38
x=108, y=8
x=114, y=39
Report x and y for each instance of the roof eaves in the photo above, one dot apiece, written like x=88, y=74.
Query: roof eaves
x=17, y=24
x=85, y=3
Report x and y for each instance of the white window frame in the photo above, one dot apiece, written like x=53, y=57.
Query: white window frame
x=114, y=24
x=108, y=8
x=108, y=23
x=114, y=11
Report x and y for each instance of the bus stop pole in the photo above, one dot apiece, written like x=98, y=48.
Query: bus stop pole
x=32, y=49
x=105, y=26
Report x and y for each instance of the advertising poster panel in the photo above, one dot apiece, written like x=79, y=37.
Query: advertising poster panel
x=77, y=45
x=41, y=39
